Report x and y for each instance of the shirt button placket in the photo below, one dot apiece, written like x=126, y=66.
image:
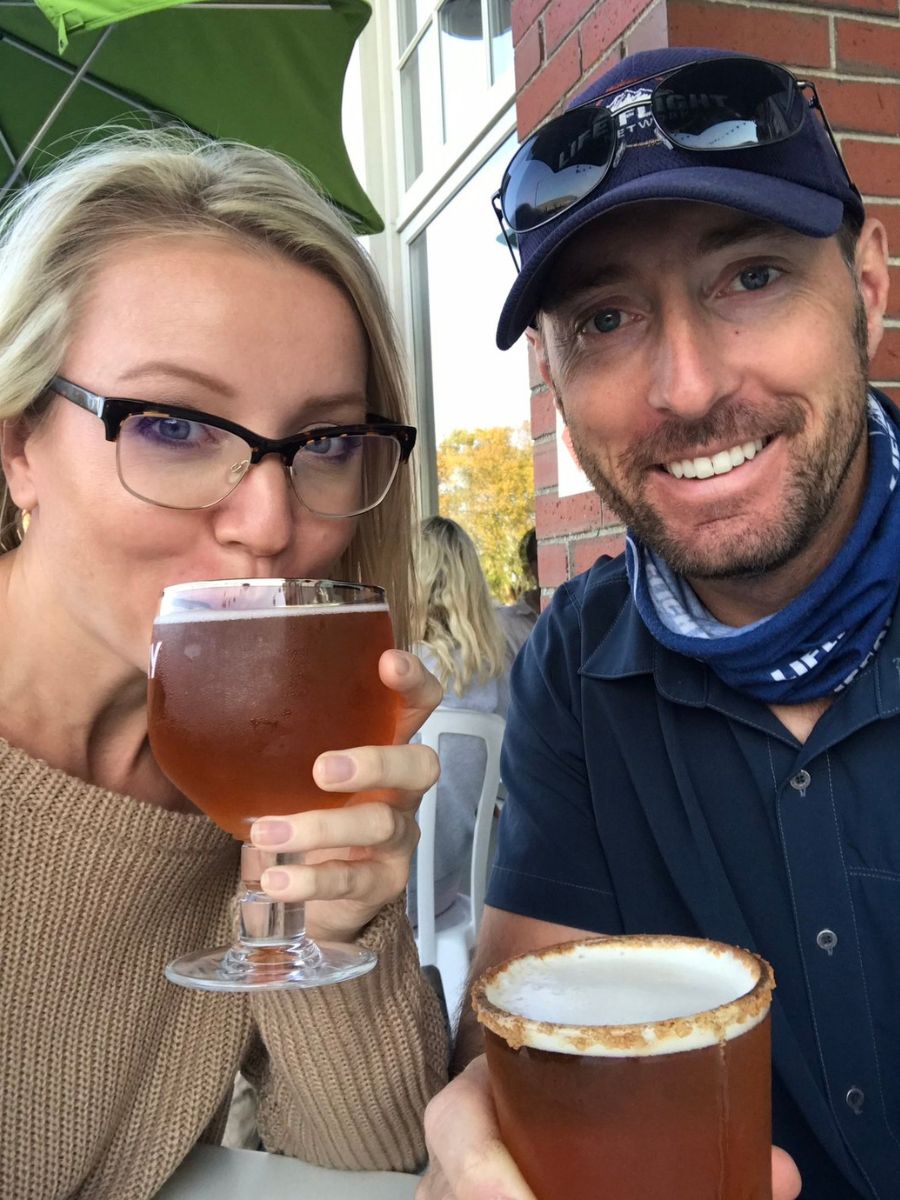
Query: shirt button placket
x=801, y=781
x=855, y=1099
x=827, y=939
x=813, y=852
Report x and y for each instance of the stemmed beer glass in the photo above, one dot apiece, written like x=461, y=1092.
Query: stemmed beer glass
x=250, y=680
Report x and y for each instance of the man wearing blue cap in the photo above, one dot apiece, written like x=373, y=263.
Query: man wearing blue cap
x=702, y=736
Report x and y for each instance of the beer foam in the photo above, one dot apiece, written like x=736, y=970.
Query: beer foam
x=184, y=616
x=625, y=996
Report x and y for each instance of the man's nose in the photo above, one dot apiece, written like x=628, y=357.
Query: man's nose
x=261, y=513
x=690, y=372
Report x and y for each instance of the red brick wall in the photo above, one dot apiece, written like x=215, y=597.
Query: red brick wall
x=851, y=48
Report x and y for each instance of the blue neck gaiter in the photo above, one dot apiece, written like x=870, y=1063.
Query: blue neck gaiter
x=818, y=643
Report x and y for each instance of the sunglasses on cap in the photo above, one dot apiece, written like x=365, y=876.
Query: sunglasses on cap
x=709, y=106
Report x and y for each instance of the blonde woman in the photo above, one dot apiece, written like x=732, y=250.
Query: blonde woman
x=460, y=641
x=184, y=274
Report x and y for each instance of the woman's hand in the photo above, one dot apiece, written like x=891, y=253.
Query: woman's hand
x=357, y=858
x=467, y=1160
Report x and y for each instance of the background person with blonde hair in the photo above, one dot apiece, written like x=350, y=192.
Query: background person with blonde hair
x=460, y=641
x=211, y=292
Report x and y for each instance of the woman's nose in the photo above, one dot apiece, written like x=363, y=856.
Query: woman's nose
x=262, y=512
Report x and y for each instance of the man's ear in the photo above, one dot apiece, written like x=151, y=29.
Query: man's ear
x=539, y=348
x=873, y=277
x=14, y=436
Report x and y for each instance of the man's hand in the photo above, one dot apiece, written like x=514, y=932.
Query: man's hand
x=469, y=1162
x=785, y=1176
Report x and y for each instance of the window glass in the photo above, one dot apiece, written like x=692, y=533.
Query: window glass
x=470, y=273
x=500, y=15
x=463, y=64
x=421, y=332
x=464, y=271
x=410, y=15
x=420, y=99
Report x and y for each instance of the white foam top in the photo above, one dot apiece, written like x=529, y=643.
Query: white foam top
x=183, y=616
x=622, y=988
x=579, y=999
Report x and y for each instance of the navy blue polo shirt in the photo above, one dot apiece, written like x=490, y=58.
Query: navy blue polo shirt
x=645, y=796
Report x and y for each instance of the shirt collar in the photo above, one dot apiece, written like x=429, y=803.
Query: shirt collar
x=627, y=648
x=886, y=670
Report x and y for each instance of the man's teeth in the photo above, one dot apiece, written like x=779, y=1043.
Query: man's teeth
x=718, y=464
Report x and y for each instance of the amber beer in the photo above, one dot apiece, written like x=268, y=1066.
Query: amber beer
x=633, y=1068
x=243, y=702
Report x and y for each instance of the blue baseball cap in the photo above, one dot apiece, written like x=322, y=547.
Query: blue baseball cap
x=799, y=182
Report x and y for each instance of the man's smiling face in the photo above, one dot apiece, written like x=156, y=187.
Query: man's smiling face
x=712, y=370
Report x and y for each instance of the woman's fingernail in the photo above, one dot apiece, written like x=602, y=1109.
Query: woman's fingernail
x=402, y=665
x=274, y=880
x=335, y=768
x=270, y=833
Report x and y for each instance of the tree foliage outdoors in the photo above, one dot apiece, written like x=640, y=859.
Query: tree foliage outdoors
x=486, y=483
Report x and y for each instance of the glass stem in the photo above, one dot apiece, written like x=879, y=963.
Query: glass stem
x=263, y=920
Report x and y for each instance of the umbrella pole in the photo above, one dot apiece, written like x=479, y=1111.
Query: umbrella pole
x=54, y=112
x=67, y=69
x=4, y=142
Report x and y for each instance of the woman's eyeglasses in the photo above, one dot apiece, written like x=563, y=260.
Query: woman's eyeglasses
x=720, y=104
x=183, y=458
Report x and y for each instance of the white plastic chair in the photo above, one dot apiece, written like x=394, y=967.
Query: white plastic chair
x=448, y=941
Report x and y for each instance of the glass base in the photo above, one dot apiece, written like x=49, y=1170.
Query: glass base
x=248, y=968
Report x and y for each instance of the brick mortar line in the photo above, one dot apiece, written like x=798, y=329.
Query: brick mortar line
x=831, y=72
x=868, y=18
x=882, y=139
x=806, y=10
x=600, y=531
x=890, y=201
x=833, y=75
x=623, y=36
x=891, y=322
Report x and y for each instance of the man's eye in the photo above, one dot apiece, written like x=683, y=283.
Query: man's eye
x=608, y=320
x=754, y=279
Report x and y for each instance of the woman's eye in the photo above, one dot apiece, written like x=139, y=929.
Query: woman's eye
x=334, y=450
x=174, y=430
x=169, y=429
x=754, y=279
x=324, y=447
x=608, y=320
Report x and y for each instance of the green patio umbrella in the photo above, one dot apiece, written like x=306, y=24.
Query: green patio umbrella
x=269, y=73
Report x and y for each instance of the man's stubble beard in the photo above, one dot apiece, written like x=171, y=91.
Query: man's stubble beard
x=809, y=500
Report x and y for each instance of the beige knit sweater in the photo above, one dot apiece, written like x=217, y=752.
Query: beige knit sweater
x=109, y=1074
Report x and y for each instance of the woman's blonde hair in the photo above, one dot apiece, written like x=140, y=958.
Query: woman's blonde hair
x=132, y=184
x=455, y=612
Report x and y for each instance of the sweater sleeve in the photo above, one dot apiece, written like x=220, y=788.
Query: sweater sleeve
x=344, y=1072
